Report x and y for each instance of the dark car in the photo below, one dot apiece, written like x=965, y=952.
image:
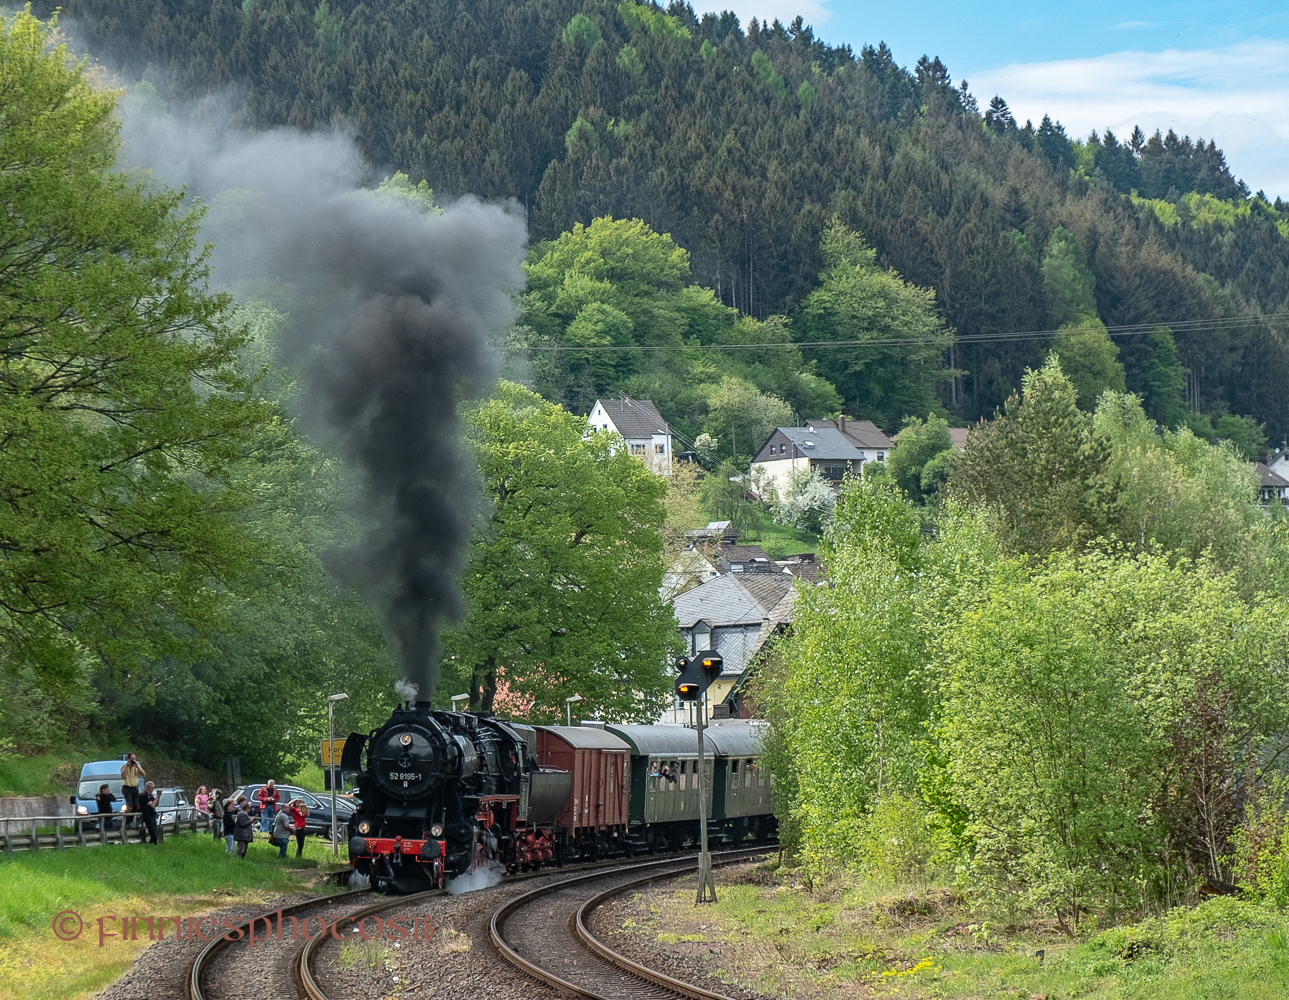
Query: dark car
x=318, y=821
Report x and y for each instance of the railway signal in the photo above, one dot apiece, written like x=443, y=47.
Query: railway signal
x=696, y=674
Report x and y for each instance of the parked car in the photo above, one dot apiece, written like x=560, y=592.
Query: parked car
x=172, y=804
x=318, y=821
x=94, y=774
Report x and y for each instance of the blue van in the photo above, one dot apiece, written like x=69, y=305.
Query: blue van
x=93, y=775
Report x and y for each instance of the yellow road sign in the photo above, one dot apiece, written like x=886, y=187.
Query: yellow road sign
x=330, y=748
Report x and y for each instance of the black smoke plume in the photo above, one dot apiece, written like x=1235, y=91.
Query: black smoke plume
x=398, y=302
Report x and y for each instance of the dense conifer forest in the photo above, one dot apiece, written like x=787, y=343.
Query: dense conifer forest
x=743, y=141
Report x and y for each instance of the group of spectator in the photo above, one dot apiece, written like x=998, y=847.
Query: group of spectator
x=232, y=820
x=229, y=819
x=138, y=801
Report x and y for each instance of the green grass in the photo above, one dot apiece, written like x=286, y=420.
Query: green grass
x=309, y=777
x=56, y=773
x=186, y=875
x=780, y=542
x=769, y=934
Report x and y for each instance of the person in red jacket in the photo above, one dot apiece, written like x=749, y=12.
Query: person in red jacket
x=298, y=812
x=269, y=799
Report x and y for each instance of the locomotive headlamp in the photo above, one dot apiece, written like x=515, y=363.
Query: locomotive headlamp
x=405, y=739
x=364, y=827
x=436, y=830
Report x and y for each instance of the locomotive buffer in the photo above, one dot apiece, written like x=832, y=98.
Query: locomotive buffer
x=696, y=673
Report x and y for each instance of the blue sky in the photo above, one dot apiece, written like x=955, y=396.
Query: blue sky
x=1217, y=70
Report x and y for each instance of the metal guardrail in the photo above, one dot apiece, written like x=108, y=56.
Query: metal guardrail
x=29, y=835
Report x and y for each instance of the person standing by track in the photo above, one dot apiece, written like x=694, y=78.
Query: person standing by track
x=243, y=829
x=269, y=798
x=131, y=772
x=216, y=813
x=231, y=810
x=282, y=826
x=298, y=813
x=148, y=810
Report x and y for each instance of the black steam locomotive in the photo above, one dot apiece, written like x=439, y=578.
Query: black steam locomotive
x=443, y=793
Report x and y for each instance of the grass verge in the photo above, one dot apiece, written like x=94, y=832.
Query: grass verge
x=56, y=773
x=769, y=934
x=187, y=875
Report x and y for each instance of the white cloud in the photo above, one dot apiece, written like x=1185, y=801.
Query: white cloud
x=1237, y=95
x=813, y=11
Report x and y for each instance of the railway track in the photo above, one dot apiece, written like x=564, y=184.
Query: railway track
x=283, y=968
x=544, y=934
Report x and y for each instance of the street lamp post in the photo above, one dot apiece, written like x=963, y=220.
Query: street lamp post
x=459, y=697
x=331, y=736
x=568, y=706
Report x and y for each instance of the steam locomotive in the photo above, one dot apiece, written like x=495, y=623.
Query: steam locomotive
x=443, y=793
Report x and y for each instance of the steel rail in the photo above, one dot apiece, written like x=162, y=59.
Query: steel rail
x=672, y=866
x=588, y=939
x=206, y=954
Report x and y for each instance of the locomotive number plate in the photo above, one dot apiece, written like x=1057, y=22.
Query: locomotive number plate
x=404, y=775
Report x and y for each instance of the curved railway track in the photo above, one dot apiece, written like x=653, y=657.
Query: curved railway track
x=551, y=943
x=574, y=961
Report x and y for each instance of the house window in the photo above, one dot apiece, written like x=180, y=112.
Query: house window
x=881, y=457
x=833, y=470
x=660, y=449
x=702, y=637
x=637, y=449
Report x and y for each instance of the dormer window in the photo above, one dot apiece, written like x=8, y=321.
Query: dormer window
x=702, y=637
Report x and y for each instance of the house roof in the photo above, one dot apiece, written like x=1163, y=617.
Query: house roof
x=740, y=553
x=820, y=442
x=1271, y=480
x=860, y=433
x=767, y=589
x=634, y=418
x=722, y=601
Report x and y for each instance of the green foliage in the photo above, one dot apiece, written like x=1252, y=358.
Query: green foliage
x=1040, y=470
x=479, y=99
x=563, y=577
x=619, y=284
x=724, y=497
x=1089, y=359
x=122, y=408
x=1247, y=436
x=738, y=412
x=763, y=70
x=399, y=185
x=1260, y=861
x=327, y=32
x=917, y=445
x=858, y=300
x=1067, y=281
x=1163, y=380
x=580, y=27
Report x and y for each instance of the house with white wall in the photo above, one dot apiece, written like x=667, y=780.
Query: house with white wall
x=790, y=449
x=640, y=425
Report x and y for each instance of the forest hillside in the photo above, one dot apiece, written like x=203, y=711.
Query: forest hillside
x=743, y=141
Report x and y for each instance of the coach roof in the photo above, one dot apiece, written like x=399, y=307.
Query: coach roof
x=661, y=741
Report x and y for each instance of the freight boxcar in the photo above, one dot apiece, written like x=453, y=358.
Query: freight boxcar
x=593, y=821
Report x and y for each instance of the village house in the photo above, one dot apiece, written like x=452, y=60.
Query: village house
x=734, y=615
x=1273, y=487
x=865, y=435
x=640, y=425
x=790, y=449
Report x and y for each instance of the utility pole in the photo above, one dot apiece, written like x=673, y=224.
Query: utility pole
x=331, y=736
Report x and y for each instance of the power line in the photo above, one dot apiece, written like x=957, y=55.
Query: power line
x=1129, y=330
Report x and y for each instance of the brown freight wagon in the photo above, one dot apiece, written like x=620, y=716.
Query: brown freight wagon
x=594, y=819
